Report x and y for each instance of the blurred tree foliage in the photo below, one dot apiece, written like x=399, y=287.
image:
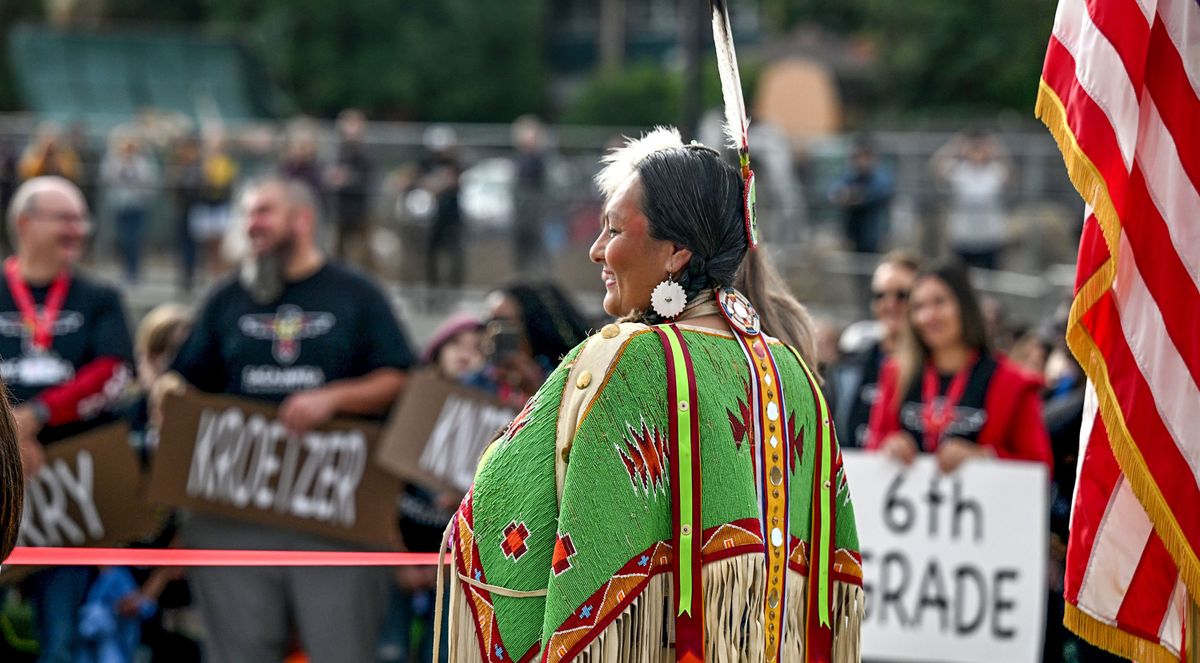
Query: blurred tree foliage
x=12, y=12
x=450, y=60
x=475, y=60
x=645, y=94
x=639, y=95
x=455, y=60
x=986, y=53
x=982, y=55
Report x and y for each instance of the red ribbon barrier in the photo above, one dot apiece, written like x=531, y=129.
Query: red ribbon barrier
x=38, y=556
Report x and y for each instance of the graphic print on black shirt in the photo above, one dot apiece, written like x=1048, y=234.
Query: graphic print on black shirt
x=332, y=325
x=969, y=415
x=91, y=325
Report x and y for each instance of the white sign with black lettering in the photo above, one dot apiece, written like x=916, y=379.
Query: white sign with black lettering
x=954, y=566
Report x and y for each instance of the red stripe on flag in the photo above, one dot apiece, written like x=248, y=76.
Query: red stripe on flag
x=1168, y=468
x=1176, y=100
x=1097, y=481
x=1149, y=593
x=1164, y=273
x=1124, y=25
x=1099, y=141
x=1093, y=252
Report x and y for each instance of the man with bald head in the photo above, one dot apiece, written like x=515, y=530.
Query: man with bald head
x=319, y=340
x=65, y=353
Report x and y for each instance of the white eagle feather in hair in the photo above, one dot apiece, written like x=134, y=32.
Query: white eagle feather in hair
x=737, y=124
x=622, y=162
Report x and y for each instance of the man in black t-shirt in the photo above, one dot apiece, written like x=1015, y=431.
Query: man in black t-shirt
x=65, y=354
x=320, y=341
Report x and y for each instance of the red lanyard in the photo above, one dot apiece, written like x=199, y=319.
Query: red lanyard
x=41, y=326
x=937, y=419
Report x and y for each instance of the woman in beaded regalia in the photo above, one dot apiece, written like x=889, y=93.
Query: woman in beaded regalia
x=674, y=489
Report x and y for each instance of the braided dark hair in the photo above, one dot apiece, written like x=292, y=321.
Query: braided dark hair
x=693, y=198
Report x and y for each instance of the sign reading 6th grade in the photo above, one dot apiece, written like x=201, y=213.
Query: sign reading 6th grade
x=231, y=457
x=954, y=566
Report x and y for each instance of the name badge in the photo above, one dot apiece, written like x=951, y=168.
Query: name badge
x=43, y=370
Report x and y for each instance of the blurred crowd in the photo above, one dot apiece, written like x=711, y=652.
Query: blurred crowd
x=937, y=368
x=160, y=182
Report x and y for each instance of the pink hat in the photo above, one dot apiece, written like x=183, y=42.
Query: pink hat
x=451, y=327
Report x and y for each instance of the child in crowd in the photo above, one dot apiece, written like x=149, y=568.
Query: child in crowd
x=122, y=608
x=455, y=353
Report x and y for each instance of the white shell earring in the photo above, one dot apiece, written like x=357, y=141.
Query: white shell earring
x=668, y=298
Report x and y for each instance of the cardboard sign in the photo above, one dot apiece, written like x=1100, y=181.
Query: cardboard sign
x=230, y=457
x=89, y=493
x=954, y=566
x=440, y=430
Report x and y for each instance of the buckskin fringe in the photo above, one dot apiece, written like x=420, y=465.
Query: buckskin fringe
x=733, y=597
x=733, y=608
x=463, y=643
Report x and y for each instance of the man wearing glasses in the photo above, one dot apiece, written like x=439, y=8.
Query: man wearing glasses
x=65, y=353
x=852, y=384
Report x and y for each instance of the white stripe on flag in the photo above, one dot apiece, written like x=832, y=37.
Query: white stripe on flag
x=1172, y=191
x=1123, y=534
x=1091, y=410
x=1101, y=73
x=1175, y=394
x=1171, y=630
x=1147, y=7
x=1182, y=20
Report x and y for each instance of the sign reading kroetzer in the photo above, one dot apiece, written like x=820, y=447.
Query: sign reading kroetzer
x=954, y=566
x=439, y=431
x=89, y=492
x=231, y=457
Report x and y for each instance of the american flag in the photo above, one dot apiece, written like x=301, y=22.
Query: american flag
x=1120, y=92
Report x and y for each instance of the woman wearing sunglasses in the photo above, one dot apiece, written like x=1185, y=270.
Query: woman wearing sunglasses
x=946, y=392
x=853, y=383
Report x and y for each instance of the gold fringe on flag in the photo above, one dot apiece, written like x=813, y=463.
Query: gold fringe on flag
x=1111, y=638
x=1092, y=187
x=1080, y=169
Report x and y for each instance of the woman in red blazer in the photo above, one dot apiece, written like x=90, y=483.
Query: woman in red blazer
x=946, y=392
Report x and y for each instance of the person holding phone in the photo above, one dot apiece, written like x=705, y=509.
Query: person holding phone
x=531, y=326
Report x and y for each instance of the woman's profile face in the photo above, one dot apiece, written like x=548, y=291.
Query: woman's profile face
x=935, y=314
x=632, y=261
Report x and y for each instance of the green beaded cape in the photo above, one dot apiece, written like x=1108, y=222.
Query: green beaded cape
x=564, y=544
